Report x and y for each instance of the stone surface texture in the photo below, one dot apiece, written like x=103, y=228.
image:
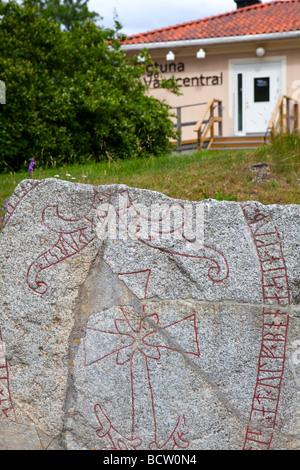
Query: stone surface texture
x=130, y=320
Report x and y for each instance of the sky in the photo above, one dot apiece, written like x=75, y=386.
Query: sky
x=139, y=16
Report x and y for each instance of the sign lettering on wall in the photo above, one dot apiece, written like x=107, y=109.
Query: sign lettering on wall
x=153, y=80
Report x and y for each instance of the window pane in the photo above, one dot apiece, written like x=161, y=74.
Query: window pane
x=261, y=89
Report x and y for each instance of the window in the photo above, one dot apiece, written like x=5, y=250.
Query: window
x=261, y=89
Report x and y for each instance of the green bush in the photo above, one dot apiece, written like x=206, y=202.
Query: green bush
x=72, y=95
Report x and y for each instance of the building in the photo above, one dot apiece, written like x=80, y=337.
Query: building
x=234, y=70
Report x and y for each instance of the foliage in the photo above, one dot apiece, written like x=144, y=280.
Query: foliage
x=72, y=95
x=64, y=12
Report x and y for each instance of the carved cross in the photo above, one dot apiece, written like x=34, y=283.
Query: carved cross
x=134, y=335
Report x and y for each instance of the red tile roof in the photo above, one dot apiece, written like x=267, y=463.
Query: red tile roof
x=274, y=17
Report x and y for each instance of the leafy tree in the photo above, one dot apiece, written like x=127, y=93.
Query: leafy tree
x=64, y=12
x=72, y=94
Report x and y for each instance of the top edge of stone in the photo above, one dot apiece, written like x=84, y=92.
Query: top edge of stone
x=122, y=186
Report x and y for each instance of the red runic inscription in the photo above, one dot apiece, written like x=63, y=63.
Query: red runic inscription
x=275, y=321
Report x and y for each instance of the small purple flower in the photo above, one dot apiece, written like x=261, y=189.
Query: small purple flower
x=4, y=205
x=31, y=165
x=4, y=209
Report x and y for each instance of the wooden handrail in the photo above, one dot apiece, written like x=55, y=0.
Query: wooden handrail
x=285, y=117
x=205, y=127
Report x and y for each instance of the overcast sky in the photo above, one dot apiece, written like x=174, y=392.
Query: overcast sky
x=138, y=16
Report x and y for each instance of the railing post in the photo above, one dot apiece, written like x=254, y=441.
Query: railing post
x=281, y=118
x=212, y=128
x=220, y=114
x=179, y=125
x=200, y=141
x=296, y=116
x=288, y=114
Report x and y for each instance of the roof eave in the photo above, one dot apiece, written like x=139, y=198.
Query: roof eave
x=212, y=41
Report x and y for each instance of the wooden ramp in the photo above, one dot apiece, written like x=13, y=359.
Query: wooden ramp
x=227, y=143
x=209, y=128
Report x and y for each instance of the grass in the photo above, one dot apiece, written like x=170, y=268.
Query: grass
x=228, y=175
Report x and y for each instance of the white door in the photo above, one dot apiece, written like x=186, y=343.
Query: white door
x=257, y=87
